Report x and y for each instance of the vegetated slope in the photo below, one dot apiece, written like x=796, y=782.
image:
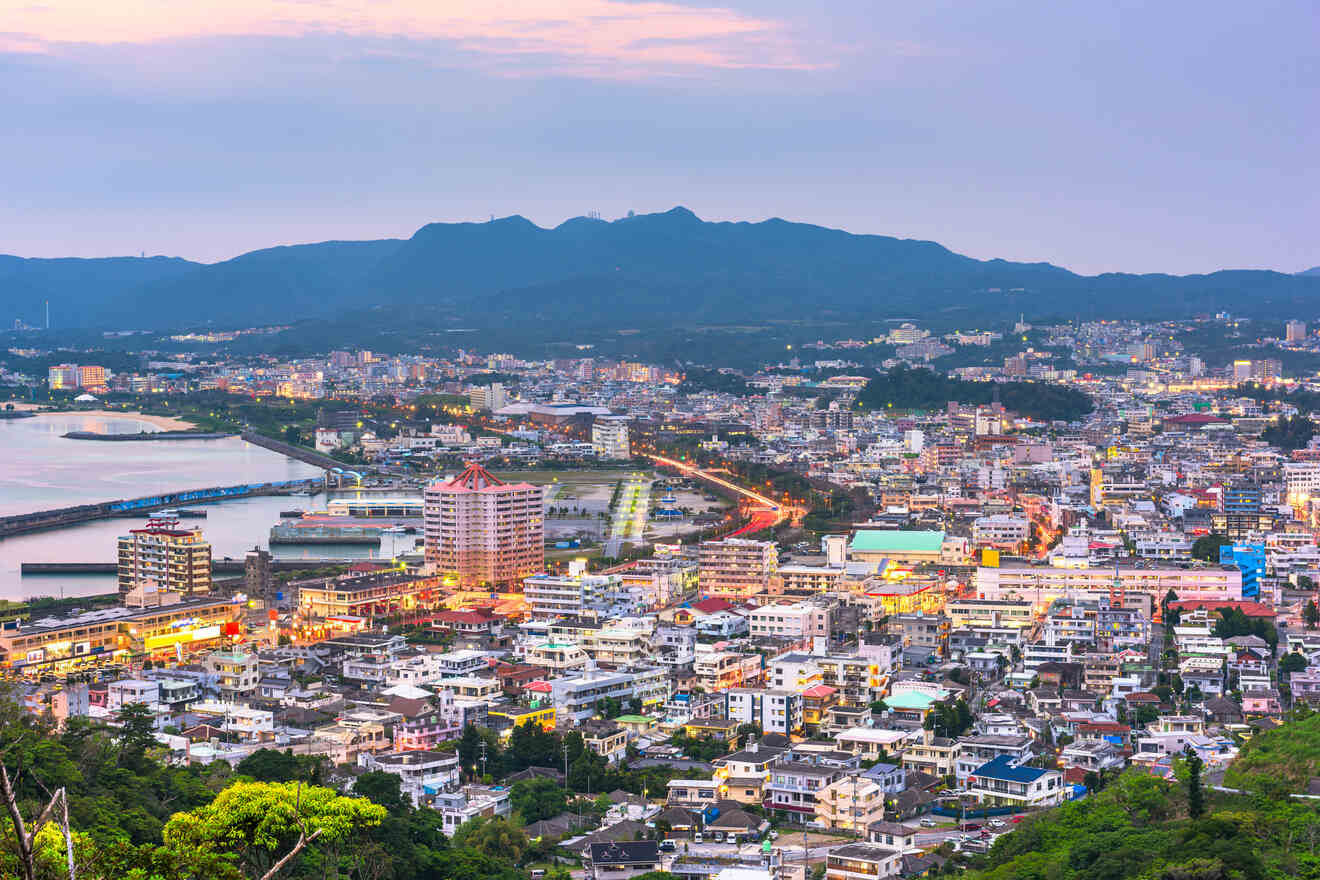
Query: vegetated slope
x=1137, y=829
x=666, y=268
x=81, y=292
x=1282, y=760
x=270, y=286
x=926, y=389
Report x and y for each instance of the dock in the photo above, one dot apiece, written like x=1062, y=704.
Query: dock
x=218, y=566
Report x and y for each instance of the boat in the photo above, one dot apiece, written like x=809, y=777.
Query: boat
x=191, y=513
x=290, y=514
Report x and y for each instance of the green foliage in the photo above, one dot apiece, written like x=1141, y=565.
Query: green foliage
x=496, y=837
x=950, y=719
x=696, y=379
x=1290, y=663
x=925, y=389
x=1232, y=622
x=384, y=789
x=536, y=799
x=1136, y=828
x=260, y=821
x=1278, y=761
x=700, y=749
x=1195, y=794
x=1311, y=614
x=1206, y=547
x=1290, y=433
x=272, y=765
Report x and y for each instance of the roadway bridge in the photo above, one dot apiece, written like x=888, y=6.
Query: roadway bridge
x=42, y=520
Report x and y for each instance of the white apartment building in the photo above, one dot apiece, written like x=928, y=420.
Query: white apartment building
x=1301, y=481
x=798, y=621
x=131, y=690
x=1041, y=585
x=575, y=696
x=777, y=711
x=235, y=673
x=609, y=437
x=1000, y=530
x=422, y=774
x=989, y=612
x=721, y=670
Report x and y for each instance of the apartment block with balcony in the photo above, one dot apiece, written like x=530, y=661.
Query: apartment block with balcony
x=850, y=803
x=776, y=711
x=736, y=567
x=422, y=774
x=793, y=787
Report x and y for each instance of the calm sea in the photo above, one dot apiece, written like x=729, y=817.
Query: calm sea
x=40, y=470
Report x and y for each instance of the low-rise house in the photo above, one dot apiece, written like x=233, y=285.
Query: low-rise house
x=1093, y=756
x=745, y=773
x=975, y=751
x=1000, y=783
x=862, y=861
x=605, y=738
x=693, y=794
x=621, y=860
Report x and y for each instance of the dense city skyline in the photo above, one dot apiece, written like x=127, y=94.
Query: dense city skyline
x=1100, y=139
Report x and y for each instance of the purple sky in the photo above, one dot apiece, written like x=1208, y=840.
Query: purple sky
x=1172, y=136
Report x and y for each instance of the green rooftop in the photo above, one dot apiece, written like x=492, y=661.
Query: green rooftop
x=634, y=719
x=884, y=541
x=909, y=700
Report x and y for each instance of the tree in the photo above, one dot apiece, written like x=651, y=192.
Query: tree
x=136, y=725
x=1195, y=796
x=1168, y=614
x=496, y=837
x=258, y=820
x=1290, y=663
x=384, y=789
x=1311, y=614
x=273, y=765
x=536, y=799
x=1206, y=548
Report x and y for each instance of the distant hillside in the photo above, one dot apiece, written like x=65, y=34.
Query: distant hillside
x=82, y=293
x=653, y=269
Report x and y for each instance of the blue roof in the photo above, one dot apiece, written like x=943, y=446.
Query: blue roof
x=1002, y=768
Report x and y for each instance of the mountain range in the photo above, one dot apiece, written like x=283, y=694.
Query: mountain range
x=640, y=270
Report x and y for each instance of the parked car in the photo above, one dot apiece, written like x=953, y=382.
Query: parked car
x=668, y=846
x=697, y=838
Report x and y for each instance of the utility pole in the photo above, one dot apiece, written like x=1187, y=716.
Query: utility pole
x=483, y=758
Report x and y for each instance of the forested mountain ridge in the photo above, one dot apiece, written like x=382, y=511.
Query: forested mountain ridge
x=667, y=267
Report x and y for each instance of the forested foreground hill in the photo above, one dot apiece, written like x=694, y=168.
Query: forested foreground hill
x=1139, y=828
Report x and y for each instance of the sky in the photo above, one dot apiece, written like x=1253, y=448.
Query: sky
x=1119, y=136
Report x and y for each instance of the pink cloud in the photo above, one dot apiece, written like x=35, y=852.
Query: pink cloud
x=597, y=36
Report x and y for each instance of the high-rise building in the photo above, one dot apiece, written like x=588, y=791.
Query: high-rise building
x=483, y=531
x=1295, y=331
x=491, y=397
x=61, y=376
x=609, y=437
x=164, y=558
x=737, y=567
x=91, y=376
